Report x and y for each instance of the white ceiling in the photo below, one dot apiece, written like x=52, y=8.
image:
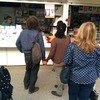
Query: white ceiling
x=38, y=1
x=90, y=2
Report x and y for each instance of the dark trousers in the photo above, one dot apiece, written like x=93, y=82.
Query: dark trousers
x=31, y=73
x=79, y=91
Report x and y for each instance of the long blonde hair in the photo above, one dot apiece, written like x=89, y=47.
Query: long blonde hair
x=86, y=38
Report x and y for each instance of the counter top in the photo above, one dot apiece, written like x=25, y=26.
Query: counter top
x=4, y=44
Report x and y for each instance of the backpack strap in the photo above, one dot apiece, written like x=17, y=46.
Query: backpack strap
x=37, y=37
x=71, y=53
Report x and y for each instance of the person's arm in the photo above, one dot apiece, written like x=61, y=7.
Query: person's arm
x=18, y=44
x=67, y=55
x=98, y=63
x=4, y=23
x=41, y=42
x=52, y=50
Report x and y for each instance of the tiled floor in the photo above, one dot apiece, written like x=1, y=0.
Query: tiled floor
x=46, y=82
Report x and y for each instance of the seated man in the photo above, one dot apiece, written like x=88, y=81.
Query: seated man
x=8, y=21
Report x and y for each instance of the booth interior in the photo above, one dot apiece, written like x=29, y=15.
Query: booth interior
x=19, y=13
x=79, y=14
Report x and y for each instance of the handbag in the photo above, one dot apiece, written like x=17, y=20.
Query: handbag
x=64, y=75
x=94, y=95
x=36, y=51
x=65, y=72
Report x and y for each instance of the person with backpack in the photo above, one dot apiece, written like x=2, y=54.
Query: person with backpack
x=25, y=43
x=57, y=52
x=84, y=63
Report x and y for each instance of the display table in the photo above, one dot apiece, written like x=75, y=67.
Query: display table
x=10, y=55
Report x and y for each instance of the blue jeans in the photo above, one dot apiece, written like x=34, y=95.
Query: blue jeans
x=79, y=91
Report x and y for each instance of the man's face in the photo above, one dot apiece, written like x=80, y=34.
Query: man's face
x=9, y=20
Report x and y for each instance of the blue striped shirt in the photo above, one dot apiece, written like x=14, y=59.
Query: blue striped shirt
x=84, y=66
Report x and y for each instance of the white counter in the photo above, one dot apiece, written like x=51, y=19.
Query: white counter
x=10, y=55
x=4, y=44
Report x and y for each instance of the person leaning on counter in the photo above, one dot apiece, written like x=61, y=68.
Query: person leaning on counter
x=8, y=21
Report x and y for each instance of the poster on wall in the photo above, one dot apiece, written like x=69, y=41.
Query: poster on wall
x=81, y=9
x=98, y=9
x=49, y=11
x=18, y=13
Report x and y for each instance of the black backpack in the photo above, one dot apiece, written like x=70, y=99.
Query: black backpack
x=6, y=89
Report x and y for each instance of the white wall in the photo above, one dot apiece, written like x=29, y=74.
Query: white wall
x=59, y=10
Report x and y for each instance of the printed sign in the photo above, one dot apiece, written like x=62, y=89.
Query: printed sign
x=49, y=11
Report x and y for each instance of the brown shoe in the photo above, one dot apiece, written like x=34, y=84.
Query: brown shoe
x=53, y=70
x=55, y=93
x=57, y=86
x=25, y=87
x=35, y=90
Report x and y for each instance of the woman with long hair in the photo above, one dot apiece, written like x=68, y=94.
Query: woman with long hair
x=57, y=52
x=85, y=62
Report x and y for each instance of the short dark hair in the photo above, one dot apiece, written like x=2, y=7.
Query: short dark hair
x=60, y=21
x=7, y=17
x=61, y=27
x=32, y=23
